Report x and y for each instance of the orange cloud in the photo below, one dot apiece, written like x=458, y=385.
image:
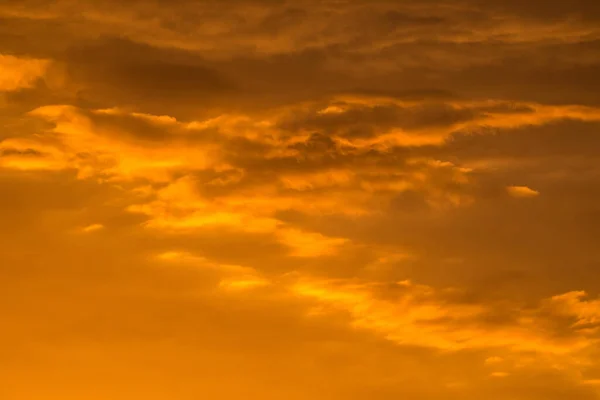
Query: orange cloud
x=307, y=244
x=418, y=315
x=20, y=73
x=522, y=191
x=92, y=228
x=231, y=277
x=273, y=173
x=243, y=283
x=493, y=360
x=183, y=258
x=574, y=304
x=135, y=144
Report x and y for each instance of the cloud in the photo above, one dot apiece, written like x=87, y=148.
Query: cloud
x=30, y=156
x=479, y=51
x=522, y=191
x=178, y=208
x=418, y=315
x=243, y=283
x=100, y=143
x=119, y=146
x=92, y=228
x=129, y=71
x=186, y=259
x=276, y=175
x=126, y=145
x=493, y=360
x=586, y=313
x=20, y=73
x=306, y=244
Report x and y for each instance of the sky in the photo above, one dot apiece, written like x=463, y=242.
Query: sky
x=336, y=199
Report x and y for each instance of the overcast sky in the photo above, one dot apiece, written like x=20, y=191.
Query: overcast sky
x=336, y=199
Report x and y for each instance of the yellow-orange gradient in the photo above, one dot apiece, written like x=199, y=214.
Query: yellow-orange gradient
x=252, y=199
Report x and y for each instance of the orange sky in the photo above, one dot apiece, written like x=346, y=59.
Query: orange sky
x=337, y=199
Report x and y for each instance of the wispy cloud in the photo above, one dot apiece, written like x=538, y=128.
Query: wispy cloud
x=522, y=191
x=92, y=228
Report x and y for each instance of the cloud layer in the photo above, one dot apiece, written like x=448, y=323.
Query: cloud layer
x=332, y=199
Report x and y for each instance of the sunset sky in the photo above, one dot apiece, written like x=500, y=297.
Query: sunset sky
x=323, y=200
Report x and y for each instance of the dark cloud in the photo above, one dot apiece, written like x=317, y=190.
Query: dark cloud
x=588, y=10
x=370, y=121
x=502, y=66
x=556, y=141
x=132, y=74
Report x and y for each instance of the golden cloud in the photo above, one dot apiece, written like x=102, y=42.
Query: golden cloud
x=418, y=315
x=251, y=183
x=20, y=73
x=92, y=228
x=522, y=191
